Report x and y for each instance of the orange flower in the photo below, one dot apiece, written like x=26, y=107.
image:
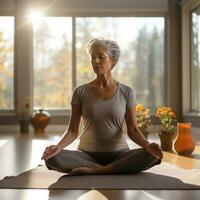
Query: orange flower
x=166, y=109
x=172, y=114
x=142, y=116
x=159, y=112
x=167, y=118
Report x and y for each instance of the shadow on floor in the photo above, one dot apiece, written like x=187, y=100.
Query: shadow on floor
x=140, y=181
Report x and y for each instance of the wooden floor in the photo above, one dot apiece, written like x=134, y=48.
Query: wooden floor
x=21, y=152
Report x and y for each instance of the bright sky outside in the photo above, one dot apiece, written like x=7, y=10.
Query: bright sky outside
x=127, y=26
x=6, y=28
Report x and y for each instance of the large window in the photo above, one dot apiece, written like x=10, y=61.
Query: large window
x=6, y=63
x=195, y=60
x=141, y=64
x=52, y=62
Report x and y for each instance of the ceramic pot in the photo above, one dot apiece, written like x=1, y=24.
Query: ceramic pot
x=184, y=143
x=167, y=140
x=40, y=119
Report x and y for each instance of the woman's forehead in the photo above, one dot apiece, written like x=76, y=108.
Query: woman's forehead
x=98, y=49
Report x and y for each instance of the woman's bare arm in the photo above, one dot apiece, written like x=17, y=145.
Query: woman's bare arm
x=136, y=136
x=72, y=132
x=132, y=128
x=68, y=137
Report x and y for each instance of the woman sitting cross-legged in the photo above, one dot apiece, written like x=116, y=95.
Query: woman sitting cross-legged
x=104, y=104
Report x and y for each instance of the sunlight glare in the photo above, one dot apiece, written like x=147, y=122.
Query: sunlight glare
x=150, y=196
x=92, y=194
x=2, y=143
x=35, y=17
x=36, y=194
x=38, y=146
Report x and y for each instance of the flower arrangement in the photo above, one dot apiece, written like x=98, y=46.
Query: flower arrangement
x=142, y=117
x=167, y=118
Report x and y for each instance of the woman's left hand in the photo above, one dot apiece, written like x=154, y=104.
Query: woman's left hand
x=154, y=150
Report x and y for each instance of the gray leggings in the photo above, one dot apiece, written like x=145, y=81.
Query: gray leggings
x=125, y=161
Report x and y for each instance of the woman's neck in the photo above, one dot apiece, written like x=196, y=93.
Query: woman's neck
x=104, y=81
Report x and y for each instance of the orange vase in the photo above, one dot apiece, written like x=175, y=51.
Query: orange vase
x=184, y=143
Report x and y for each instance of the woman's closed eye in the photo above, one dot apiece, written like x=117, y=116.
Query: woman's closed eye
x=100, y=57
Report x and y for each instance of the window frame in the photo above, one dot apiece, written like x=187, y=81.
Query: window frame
x=10, y=113
x=65, y=112
x=188, y=115
x=26, y=66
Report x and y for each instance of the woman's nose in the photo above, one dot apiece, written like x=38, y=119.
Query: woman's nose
x=96, y=60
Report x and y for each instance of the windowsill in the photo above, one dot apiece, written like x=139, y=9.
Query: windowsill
x=56, y=119
x=59, y=129
x=7, y=113
x=191, y=114
x=192, y=117
x=62, y=117
x=57, y=113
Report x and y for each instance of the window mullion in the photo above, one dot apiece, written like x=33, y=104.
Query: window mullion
x=73, y=52
x=23, y=63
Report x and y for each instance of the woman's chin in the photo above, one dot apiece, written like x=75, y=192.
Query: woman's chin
x=99, y=72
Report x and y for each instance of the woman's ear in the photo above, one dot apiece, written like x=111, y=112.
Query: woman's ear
x=113, y=63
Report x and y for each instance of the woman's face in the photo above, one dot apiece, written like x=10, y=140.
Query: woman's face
x=100, y=60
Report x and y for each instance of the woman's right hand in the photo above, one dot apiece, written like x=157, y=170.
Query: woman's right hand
x=51, y=151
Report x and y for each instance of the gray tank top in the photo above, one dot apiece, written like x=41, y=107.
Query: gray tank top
x=103, y=119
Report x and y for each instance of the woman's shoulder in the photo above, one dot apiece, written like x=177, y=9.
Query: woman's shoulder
x=81, y=90
x=81, y=87
x=125, y=88
x=128, y=94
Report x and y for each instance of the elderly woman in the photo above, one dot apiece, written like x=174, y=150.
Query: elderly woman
x=104, y=104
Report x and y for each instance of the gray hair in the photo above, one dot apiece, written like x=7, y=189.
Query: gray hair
x=111, y=46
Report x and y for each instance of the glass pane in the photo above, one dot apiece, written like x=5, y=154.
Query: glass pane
x=6, y=63
x=195, y=60
x=52, y=63
x=141, y=65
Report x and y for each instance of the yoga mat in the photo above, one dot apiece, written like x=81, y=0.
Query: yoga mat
x=161, y=177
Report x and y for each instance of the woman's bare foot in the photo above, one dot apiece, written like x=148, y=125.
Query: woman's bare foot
x=97, y=169
x=82, y=170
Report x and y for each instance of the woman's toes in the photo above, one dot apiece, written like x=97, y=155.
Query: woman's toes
x=81, y=170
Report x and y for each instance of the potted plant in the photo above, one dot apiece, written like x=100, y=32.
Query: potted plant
x=143, y=119
x=168, y=130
